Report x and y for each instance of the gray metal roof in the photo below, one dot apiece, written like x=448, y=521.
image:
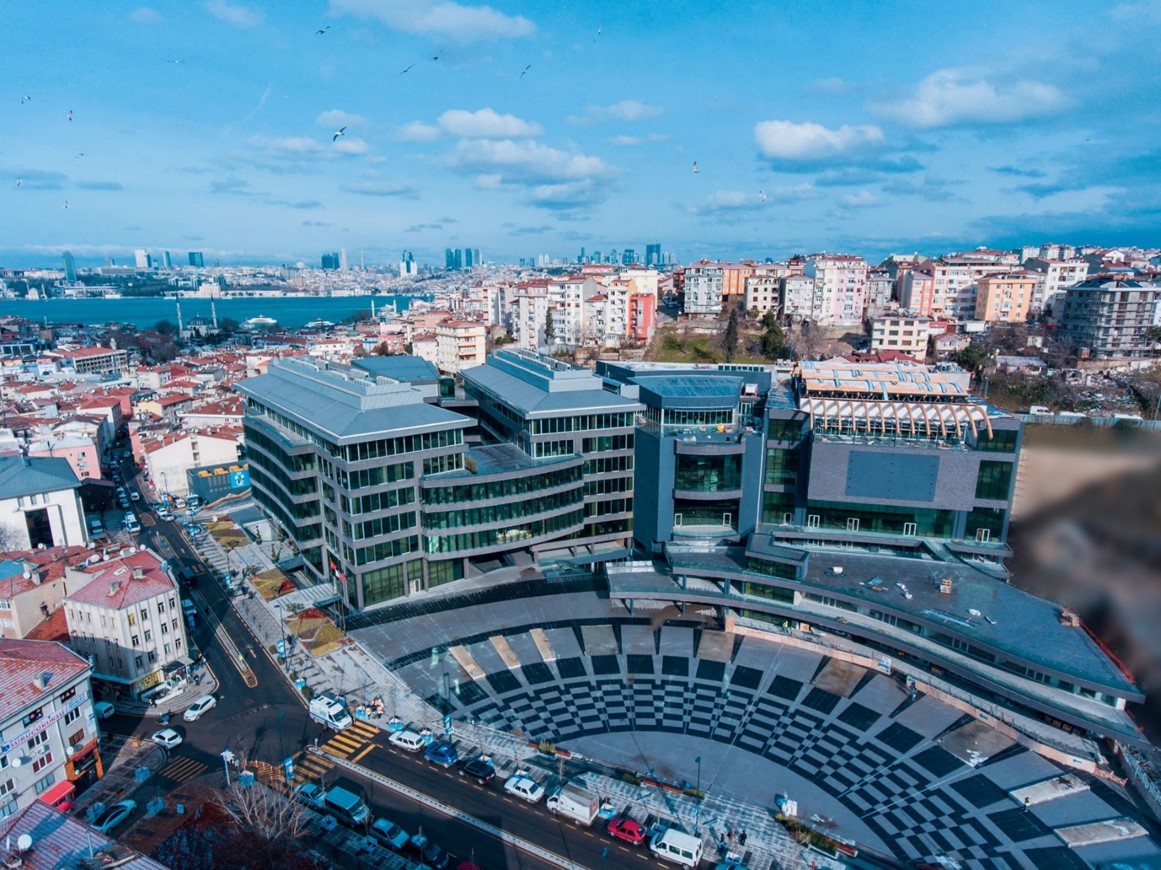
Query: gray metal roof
x=332, y=401
x=529, y=400
x=23, y=475
x=404, y=367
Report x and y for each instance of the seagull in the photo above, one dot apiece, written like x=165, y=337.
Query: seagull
x=435, y=57
x=322, y=30
x=176, y=60
x=75, y=156
x=407, y=69
x=19, y=182
x=598, y=36
x=66, y=205
x=69, y=116
x=24, y=100
x=342, y=131
x=761, y=196
x=525, y=70
x=695, y=167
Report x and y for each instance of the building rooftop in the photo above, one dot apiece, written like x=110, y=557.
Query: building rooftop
x=701, y=390
x=125, y=582
x=344, y=402
x=405, y=368
x=63, y=843
x=535, y=384
x=22, y=475
x=498, y=459
x=32, y=670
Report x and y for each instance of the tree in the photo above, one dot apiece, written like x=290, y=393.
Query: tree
x=974, y=357
x=549, y=328
x=730, y=339
x=357, y=317
x=773, y=341
x=165, y=327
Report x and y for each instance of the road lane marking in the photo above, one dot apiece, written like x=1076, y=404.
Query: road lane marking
x=363, y=753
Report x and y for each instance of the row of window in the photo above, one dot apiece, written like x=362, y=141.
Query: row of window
x=274, y=470
x=517, y=484
x=386, y=550
x=377, y=476
x=484, y=539
x=379, y=526
x=605, y=443
x=295, y=510
x=707, y=473
x=501, y=512
x=418, y=443
x=583, y=423
x=294, y=463
x=608, y=485
x=607, y=465
x=377, y=501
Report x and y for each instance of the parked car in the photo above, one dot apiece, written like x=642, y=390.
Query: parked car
x=407, y=740
x=103, y=709
x=479, y=768
x=629, y=830
x=311, y=794
x=135, y=496
x=199, y=708
x=442, y=753
x=432, y=854
x=523, y=786
x=389, y=834
x=114, y=815
x=167, y=737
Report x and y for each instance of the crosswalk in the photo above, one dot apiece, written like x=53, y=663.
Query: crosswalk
x=352, y=741
x=311, y=768
x=183, y=769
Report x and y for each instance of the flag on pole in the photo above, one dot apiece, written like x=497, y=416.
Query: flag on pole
x=337, y=572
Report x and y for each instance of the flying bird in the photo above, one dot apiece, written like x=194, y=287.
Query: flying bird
x=523, y=71
x=69, y=116
x=598, y=36
x=24, y=100
x=695, y=167
x=176, y=60
x=75, y=156
x=761, y=196
x=406, y=69
x=342, y=131
x=435, y=57
x=19, y=182
x=66, y=205
x=322, y=30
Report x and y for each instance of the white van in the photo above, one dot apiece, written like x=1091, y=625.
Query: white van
x=677, y=846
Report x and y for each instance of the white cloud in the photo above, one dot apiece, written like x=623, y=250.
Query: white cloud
x=238, y=16
x=1147, y=12
x=629, y=141
x=369, y=188
x=350, y=145
x=145, y=15
x=524, y=161
x=957, y=96
x=728, y=201
x=291, y=148
x=287, y=144
x=858, y=199
x=831, y=86
x=444, y=18
x=335, y=118
x=486, y=124
x=567, y=195
x=417, y=131
x=626, y=110
x=810, y=142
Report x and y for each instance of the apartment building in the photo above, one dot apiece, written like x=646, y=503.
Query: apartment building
x=703, y=289
x=840, y=288
x=460, y=344
x=1005, y=298
x=1058, y=275
x=763, y=293
x=40, y=503
x=908, y=335
x=1107, y=318
x=796, y=296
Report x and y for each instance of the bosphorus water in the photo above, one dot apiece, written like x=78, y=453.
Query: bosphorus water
x=290, y=311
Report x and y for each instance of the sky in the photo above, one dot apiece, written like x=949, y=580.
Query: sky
x=522, y=128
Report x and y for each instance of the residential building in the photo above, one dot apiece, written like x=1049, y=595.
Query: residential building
x=840, y=288
x=460, y=344
x=880, y=292
x=32, y=586
x=1108, y=318
x=61, y=840
x=40, y=504
x=92, y=360
x=734, y=277
x=49, y=732
x=170, y=455
x=1005, y=298
x=703, y=289
x=642, y=316
x=124, y=616
x=1058, y=275
x=79, y=450
x=796, y=296
x=763, y=293
x=907, y=335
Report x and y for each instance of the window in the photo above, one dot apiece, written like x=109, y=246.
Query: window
x=42, y=785
x=72, y=716
x=161, y=607
x=138, y=663
x=132, y=619
x=77, y=738
x=41, y=763
x=164, y=628
x=148, y=636
x=144, y=615
x=136, y=640
x=152, y=656
x=7, y=788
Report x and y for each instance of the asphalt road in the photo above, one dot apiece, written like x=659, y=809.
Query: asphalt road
x=269, y=723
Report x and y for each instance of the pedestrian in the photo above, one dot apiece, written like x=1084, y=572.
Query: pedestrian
x=742, y=838
x=152, y=702
x=1027, y=803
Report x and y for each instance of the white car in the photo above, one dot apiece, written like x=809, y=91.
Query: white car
x=135, y=496
x=407, y=740
x=521, y=785
x=167, y=737
x=199, y=708
x=114, y=815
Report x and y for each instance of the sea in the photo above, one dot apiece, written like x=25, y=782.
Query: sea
x=291, y=312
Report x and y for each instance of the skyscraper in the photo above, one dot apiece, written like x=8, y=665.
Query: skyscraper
x=449, y=258
x=407, y=267
x=197, y=260
x=166, y=260
x=653, y=254
x=142, y=258
x=468, y=258
x=70, y=267
x=330, y=261
x=628, y=257
x=343, y=259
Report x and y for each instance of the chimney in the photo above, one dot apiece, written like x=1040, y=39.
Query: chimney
x=138, y=572
x=40, y=681
x=114, y=587
x=1069, y=617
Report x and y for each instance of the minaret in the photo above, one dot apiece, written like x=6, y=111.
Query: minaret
x=372, y=307
x=179, y=329
x=214, y=313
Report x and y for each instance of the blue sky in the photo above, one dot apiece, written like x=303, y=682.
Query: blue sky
x=523, y=128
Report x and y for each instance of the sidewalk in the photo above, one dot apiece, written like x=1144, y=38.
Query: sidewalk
x=354, y=674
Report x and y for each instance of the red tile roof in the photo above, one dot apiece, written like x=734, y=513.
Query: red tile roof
x=115, y=585
x=23, y=661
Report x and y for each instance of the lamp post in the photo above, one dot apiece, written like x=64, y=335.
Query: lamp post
x=227, y=757
x=282, y=651
x=697, y=797
x=447, y=689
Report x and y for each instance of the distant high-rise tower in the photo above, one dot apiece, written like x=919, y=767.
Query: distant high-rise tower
x=197, y=260
x=628, y=257
x=70, y=267
x=653, y=254
x=407, y=267
x=468, y=262
x=143, y=260
x=343, y=259
x=476, y=258
x=581, y=256
x=330, y=261
x=449, y=259
x=166, y=260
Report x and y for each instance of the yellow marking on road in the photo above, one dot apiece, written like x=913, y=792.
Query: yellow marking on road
x=364, y=729
x=361, y=754
x=183, y=769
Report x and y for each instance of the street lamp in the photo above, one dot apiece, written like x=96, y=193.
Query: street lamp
x=697, y=797
x=227, y=757
x=282, y=651
x=447, y=689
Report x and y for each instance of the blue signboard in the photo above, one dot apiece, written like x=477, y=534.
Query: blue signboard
x=289, y=766
x=282, y=649
x=240, y=479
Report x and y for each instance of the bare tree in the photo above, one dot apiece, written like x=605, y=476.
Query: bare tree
x=264, y=813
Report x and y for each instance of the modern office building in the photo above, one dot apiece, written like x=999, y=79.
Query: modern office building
x=330, y=262
x=197, y=260
x=653, y=254
x=142, y=259
x=379, y=492
x=70, y=267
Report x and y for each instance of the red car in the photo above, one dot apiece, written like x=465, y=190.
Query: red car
x=629, y=830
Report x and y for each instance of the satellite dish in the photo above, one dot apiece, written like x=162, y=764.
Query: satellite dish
x=974, y=612
x=24, y=842
x=27, y=575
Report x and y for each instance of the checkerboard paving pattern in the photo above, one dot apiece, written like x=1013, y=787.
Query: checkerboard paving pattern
x=916, y=796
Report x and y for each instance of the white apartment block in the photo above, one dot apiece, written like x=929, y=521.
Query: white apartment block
x=169, y=456
x=125, y=616
x=460, y=344
x=840, y=288
x=40, y=503
x=48, y=733
x=703, y=289
x=796, y=296
x=901, y=334
x=763, y=293
x=1058, y=274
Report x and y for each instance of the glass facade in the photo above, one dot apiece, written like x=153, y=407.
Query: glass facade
x=514, y=485
x=776, y=505
x=782, y=465
x=707, y=473
x=891, y=519
x=687, y=512
x=487, y=539
x=994, y=481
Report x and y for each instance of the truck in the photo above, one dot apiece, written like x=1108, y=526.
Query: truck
x=576, y=803
x=331, y=711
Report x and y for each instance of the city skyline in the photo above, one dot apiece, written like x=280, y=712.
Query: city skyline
x=244, y=132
